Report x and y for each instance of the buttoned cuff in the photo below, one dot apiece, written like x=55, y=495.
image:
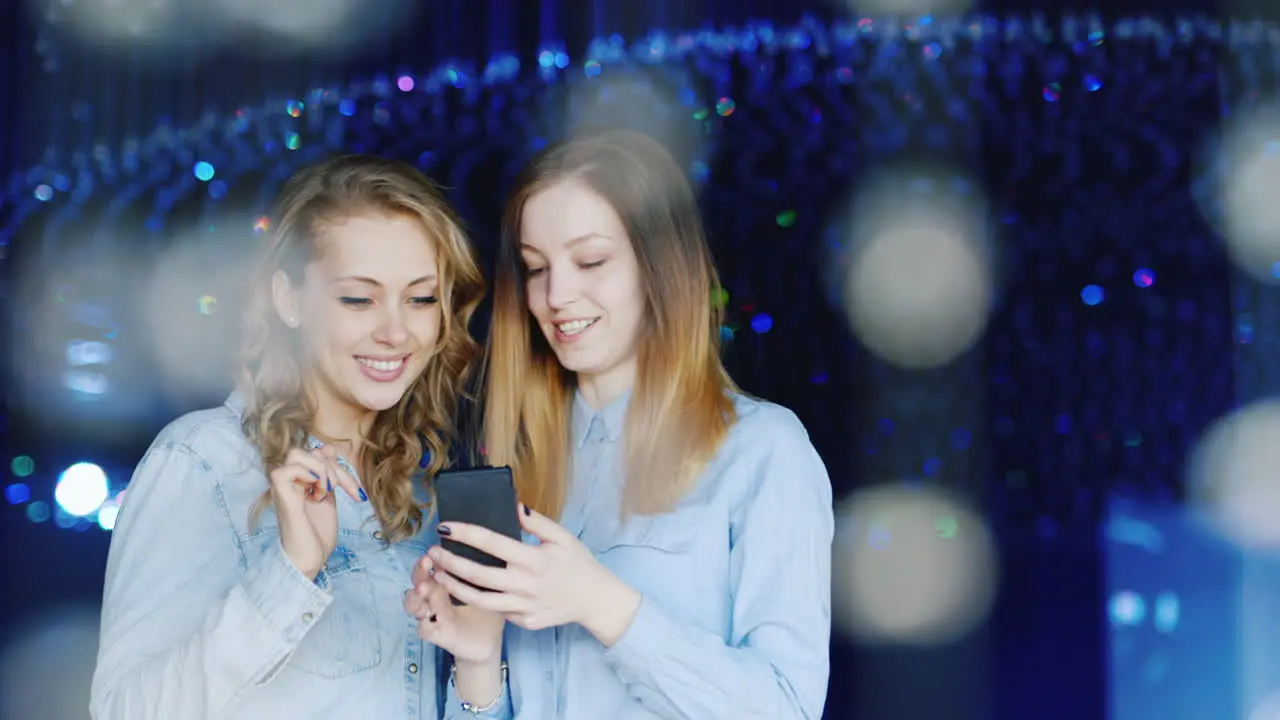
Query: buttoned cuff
x=289, y=602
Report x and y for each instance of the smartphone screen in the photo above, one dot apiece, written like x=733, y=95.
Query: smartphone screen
x=483, y=496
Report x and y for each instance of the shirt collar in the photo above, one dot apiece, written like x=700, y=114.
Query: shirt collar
x=612, y=417
x=235, y=403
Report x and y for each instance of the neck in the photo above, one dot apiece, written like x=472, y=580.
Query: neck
x=342, y=426
x=600, y=389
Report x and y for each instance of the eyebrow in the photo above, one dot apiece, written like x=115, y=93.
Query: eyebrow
x=573, y=241
x=370, y=281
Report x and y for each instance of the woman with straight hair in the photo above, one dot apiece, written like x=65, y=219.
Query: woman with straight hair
x=679, y=565
x=260, y=559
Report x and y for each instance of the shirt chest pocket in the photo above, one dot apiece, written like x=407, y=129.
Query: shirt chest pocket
x=662, y=554
x=347, y=638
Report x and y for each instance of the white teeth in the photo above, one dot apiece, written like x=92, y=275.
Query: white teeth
x=383, y=365
x=574, y=327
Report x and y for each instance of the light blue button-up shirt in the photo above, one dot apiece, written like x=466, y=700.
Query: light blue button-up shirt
x=205, y=617
x=735, y=620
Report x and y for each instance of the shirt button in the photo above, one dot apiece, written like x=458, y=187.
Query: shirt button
x=413, y=668
x=308, y=617
x=377, y=534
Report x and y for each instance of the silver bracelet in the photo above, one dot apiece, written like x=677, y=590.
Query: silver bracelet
x=472, y=707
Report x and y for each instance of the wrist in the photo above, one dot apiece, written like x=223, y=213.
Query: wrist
x=479, y=688
x=311, y=572
x=310, y=569
x=612, y=611
x=489, y=662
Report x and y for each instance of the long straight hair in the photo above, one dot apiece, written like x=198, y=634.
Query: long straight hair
x=680, y=410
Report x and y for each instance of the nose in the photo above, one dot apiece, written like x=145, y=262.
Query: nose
x=392, y=329
x=562, y=287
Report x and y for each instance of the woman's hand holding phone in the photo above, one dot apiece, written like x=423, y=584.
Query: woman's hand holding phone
x=472, y=635
x=554, y=583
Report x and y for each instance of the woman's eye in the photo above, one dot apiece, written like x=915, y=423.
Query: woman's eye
x=530, y=272
x=354, y=301
x=590, y=265
x=426, y=300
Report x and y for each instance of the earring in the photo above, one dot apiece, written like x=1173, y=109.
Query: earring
x=291, y=321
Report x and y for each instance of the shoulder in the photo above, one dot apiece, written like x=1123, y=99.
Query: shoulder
x=199, y=465
x=768, y=455
x=766, y=426
x=209, y=437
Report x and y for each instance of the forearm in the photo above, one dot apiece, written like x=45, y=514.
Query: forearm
x=612, y=611
x=242, y=642
x=679, y=670
x=478, y=683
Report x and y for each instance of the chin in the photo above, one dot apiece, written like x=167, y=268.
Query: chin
x=576, y=363
x=380, y=398
x=378, y=404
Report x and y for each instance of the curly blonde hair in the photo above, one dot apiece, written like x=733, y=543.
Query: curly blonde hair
x=278, y=412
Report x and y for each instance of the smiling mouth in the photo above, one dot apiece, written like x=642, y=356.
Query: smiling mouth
x=573, y=327
x=382, y=365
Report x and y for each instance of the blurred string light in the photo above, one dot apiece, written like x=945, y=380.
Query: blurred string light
x=81, y=497
x=22, y=466
x=81, y=489
x=1127, y=608
x=920, y=279
x=1240, y=166
x=284, y=134
x=17, y=493
x=911, y=567
x=183, y=28
x=923, y=9
x=1232, y=476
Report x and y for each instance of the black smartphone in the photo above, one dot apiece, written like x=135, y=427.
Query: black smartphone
x=483, y=496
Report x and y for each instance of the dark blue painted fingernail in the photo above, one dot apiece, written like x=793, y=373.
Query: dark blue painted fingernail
x=444, y=530
x=528, y=511
x=363, y=496
x=432, y=618
x=314, y=475
x=431, y=572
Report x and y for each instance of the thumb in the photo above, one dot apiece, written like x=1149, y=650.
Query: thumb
x=542, y=527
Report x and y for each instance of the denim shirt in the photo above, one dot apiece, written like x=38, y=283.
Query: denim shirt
x=204, y=616
x=735, y=620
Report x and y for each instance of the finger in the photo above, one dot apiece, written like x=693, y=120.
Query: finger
x=415, y=604
x=436, y=612
x=429, y=627
x=437, y=597
x=543, y=527
x=499, y=579
x=343, y=479
x=328, y=454
x=486, y=540
x=295, y=479
x=492, y=601
x=527, y=621
x=302, y=458
x=438, y=604
x=423, y=569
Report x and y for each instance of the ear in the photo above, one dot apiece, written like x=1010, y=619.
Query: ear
x=283, y=297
